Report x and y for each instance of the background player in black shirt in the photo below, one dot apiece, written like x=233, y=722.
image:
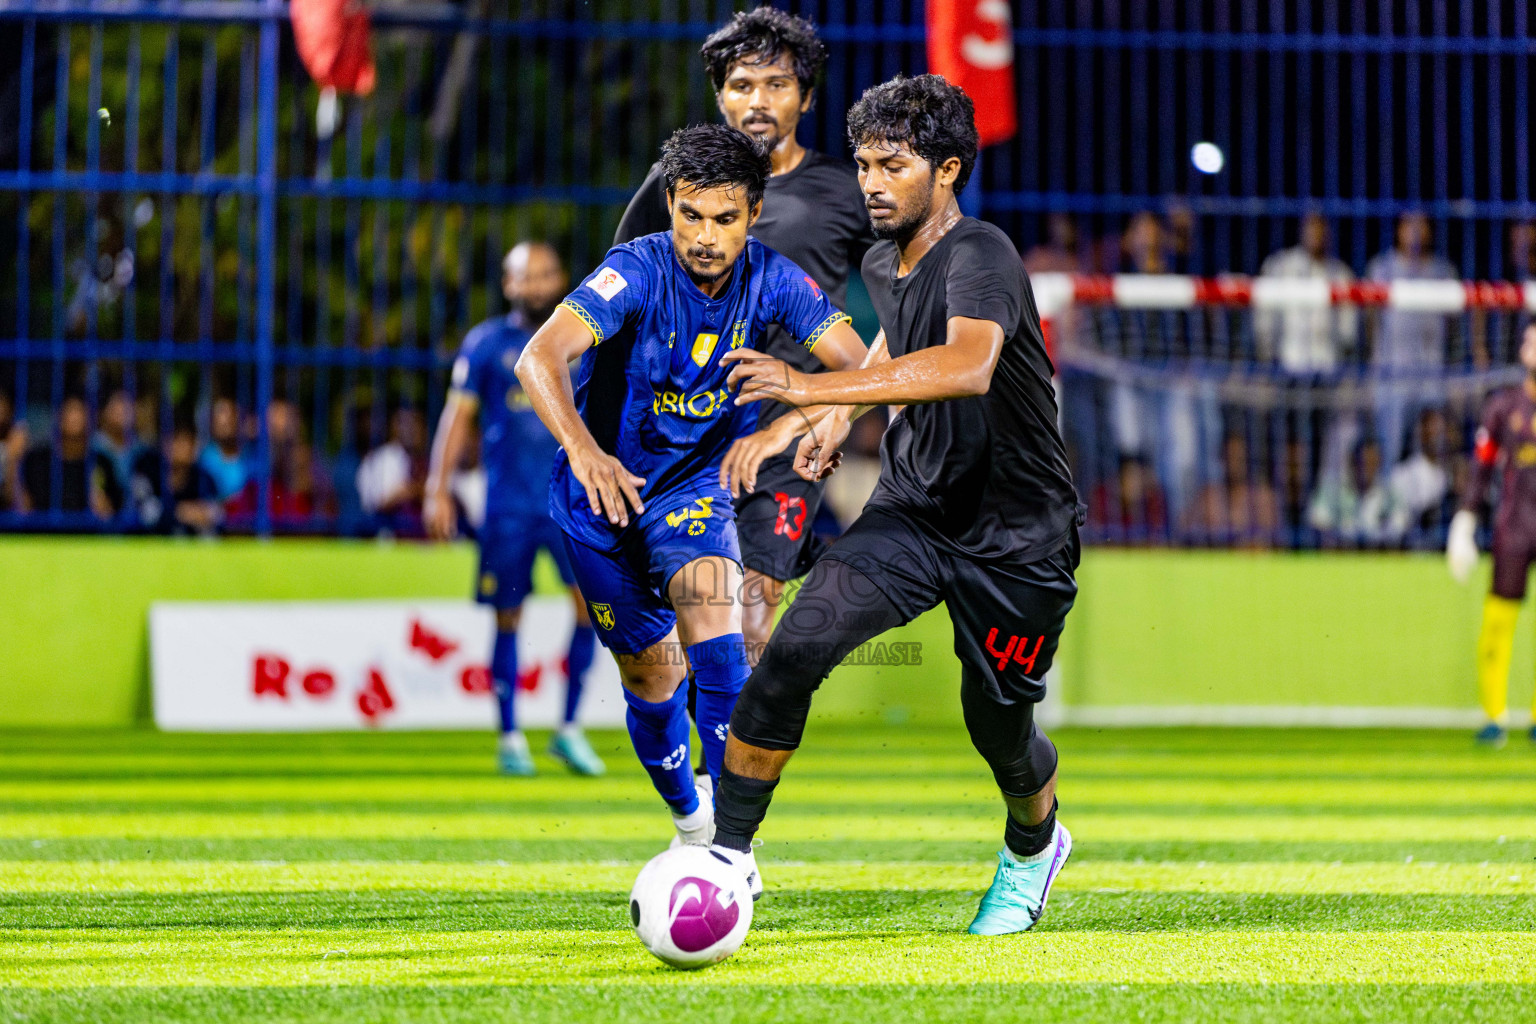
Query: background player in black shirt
x=764, y=65
x=975, y=505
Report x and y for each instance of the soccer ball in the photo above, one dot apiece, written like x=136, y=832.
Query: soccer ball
x=690, y=907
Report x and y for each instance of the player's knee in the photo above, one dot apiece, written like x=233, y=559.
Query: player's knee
x=790, y=671
x=650, y=680
x=1021, y=756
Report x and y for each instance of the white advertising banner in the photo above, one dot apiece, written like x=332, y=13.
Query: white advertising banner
x=281, y=666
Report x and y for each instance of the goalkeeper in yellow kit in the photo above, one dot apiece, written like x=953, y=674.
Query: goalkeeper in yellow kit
x=1506, y=446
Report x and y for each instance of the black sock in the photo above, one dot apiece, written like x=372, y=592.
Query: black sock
x=740, y=805
x=1027, y=840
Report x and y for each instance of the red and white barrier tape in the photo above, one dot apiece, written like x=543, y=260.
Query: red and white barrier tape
x=1056, y=292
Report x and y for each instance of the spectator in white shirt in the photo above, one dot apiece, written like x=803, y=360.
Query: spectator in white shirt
x=1421, y=483
x=1307, y=341
x=391, y=478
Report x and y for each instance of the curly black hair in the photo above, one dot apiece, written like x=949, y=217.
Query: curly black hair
x=760, y=36
x=712, y=155
x=936, y=119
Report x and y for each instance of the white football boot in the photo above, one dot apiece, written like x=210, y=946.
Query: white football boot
x=746, y=863
x=698, y=828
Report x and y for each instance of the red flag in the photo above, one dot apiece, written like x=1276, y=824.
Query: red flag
x=332, y=39
x=970, y=43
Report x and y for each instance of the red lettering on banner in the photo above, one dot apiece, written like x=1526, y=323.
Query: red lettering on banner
x=374, y=699
x=1003, y=655
x=788, y=507
x=318, y=683
x=528, y=679
x=269, y=675
x=435, y=647
x=475, y=679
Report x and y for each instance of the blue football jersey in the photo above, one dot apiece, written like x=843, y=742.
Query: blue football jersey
x=652, y=391
x=518, y=451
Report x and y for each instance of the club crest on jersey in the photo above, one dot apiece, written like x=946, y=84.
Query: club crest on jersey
x=608, y=283
x=602, y=614
x=703, y=347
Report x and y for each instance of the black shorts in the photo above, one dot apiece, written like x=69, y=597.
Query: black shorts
x=1007, y=617
x=775, y=522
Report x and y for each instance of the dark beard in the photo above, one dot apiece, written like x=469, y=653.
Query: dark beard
x=682, y=255
x=537, y=315
x=770, y=142
x=701, y=279
x=892, y=229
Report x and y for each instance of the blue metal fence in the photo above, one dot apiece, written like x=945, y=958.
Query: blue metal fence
x=181, y=230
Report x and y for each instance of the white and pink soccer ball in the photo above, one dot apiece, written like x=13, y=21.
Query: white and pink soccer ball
x=690, y=908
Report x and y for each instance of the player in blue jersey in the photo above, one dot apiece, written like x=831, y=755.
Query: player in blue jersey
x=517, y=453
x=651, y=441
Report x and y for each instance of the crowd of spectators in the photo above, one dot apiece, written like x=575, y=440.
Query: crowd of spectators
x=1168, y=455
x=1162, y=453
x=130, y=474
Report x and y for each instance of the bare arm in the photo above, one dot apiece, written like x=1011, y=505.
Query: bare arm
x=818, y=455
x=447, y=451
x=545, y=373
x=840, y=348
x=960, y=368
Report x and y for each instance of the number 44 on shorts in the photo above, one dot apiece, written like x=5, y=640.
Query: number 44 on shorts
x=1014, y=651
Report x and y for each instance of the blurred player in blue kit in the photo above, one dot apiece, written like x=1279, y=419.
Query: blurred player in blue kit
x=518, y=454
x=651, y=441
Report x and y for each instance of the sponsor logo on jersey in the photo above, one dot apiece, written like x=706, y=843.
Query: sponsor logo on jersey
x=602, y=614
x=608, y=283
x=814, y=286
x=738, y=334
x=703, y=347
x=702, y=405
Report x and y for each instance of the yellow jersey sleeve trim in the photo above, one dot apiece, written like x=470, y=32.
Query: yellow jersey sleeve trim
x=586, y=318
x=826, y=325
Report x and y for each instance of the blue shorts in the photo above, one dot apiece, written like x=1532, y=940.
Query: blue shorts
x=626, y=589
x=508, y=545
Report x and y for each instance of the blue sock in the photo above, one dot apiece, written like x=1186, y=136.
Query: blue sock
x=504, y=676
x=719, y=670
x=660, y=735
x=578, y=659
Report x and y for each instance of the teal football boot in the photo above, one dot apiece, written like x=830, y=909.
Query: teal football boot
x=1019, y=890
x=570, y=747
x=513, y=756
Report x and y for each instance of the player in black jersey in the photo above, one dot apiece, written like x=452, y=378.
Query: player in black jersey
x=764, y=65
x=975, y=507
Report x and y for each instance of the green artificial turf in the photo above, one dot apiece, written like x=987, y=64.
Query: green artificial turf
x=1231, y=875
